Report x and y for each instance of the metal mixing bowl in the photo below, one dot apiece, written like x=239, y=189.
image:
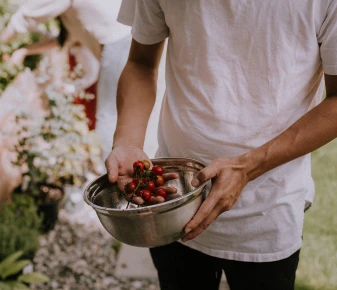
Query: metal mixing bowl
x=155, y=225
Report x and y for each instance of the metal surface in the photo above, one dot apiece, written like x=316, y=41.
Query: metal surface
x=154, y=225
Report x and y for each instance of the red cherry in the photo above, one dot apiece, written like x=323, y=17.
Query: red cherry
x=161, y=192
x=157, y=169
x=146, y=195
x=138, y=166
x=135, y=181
x=146, y=164
x=143, y=182
x=140, y=192
x=151, y=186
x=160, y=181
x=130, y=187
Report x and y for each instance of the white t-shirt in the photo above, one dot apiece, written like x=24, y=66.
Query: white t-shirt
x=239, y=73
x=127, y=11
x=93, y=23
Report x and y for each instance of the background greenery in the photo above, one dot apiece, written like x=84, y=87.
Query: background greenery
x=318, y=263
x=19, y=227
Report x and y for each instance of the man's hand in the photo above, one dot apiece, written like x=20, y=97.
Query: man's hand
x=119, y=165
x=229, y=178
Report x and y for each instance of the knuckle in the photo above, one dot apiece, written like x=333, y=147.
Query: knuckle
x=225, y=205
x=203, y=212
x=217, y=161
x=106, y=162
x=204, y=226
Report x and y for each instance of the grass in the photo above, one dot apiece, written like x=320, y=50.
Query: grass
x=318, y=262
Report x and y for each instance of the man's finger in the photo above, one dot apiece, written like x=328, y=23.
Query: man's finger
x=156, y=200
x=204, y=224
x=169, y=189
x=137, y=200
x=170, y=176
x=205, y=174
x=203, y=212
x=111, y=165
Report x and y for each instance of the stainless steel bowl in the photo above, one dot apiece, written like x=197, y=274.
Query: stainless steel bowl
x=149, y=226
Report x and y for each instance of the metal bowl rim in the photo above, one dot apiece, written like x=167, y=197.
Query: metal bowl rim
x=151, y=208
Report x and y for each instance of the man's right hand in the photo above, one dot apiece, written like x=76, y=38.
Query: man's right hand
x=119, y=165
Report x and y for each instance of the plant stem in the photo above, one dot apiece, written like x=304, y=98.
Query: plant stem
x=133, y=193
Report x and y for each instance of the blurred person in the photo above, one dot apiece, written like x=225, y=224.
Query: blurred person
x=23, y=94
x=93, y=25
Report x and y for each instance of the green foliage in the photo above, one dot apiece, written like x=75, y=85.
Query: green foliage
x=32, y=61
x=116, y=246
x=33, y=278
x=19, y=227
x=318, y=262
x=8, y=72
x=12, y=266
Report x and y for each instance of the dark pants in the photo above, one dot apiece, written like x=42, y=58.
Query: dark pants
x=182, y=268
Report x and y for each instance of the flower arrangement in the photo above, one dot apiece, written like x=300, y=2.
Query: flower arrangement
x=8, y=70
x=57, y=148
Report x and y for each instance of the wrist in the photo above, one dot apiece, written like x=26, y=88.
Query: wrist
x=128, y=136
x=125, y=142
x=253, y=163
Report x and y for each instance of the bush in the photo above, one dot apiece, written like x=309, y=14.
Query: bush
x=19, y=227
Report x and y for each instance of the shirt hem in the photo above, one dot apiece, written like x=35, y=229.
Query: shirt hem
x=125, y=20
x=148, y=40
x=244, y=257
x=330, y=69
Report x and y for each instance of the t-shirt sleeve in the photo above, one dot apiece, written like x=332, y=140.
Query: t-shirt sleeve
x=33, y=12
x=149, y=25
x=126, y=13
x=327, y=38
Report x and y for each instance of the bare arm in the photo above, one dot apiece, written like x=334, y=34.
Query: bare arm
x=41, y=47
x=20, y=54
x=313, y=130
x=136, y=93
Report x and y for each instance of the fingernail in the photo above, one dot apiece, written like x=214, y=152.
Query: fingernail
x=187, y=230
x=195, y=182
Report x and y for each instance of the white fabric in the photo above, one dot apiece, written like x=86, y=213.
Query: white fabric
x=239, y=73
x=93, y=23
x=127, y=11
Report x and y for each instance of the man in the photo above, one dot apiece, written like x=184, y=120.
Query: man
x=244, y=84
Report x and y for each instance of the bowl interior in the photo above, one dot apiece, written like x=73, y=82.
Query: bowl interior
x=101, y=193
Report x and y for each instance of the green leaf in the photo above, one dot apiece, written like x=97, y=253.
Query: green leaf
x=15, y=285
x=8, y=261
x=14, y=268
x=4, y=286
x=33, y=278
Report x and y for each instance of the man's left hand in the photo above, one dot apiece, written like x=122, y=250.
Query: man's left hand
x=229, y=178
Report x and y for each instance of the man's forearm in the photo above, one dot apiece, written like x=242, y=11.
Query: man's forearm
x=136, y=95
x=313, y=130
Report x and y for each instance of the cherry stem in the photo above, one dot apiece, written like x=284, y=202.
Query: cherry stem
x=133, y=193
